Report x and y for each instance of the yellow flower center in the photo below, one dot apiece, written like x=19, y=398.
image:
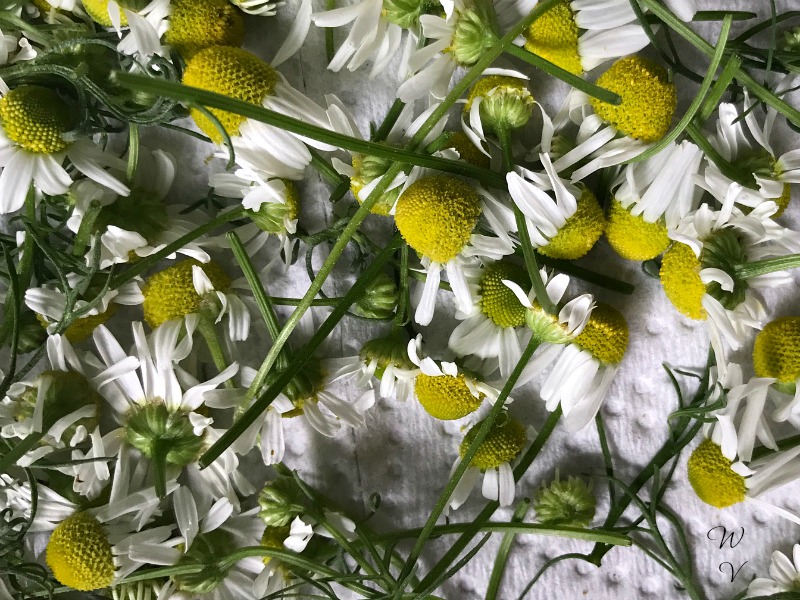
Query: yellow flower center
x=436, y=216
x=505, y=441
x=680, y=277
x=648, y=98
x=170, y=294
x=445, y=397
x=632, y=237
x=79, y=554
x=605, y=334
x=776, y=352
x=459, y=141
x=98, y=11
x=712, y=478
x=232, y=72
x=554, y=37
x=35, y=118
x=368, y=168
x=194, y=25
x=581, y=231
x=498, y=302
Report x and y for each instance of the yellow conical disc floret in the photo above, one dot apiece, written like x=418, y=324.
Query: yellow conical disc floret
x=712, y=478
x=98, y=11
x=605, y=334
x=505, y=441
x=445, y=397
x=195, y=25
x=79, y=554
x=581, y=231
x=648, y=98
x=680, y=276
x=554, y=37
x=498, y=302
x=170, y=294
x=632, y=237
x=436, y=216
x=458, y=141
x=35, y=118
x=776, y=352
x=232, y=72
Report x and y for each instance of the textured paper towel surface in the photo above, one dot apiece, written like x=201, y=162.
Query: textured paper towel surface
x=405, y=456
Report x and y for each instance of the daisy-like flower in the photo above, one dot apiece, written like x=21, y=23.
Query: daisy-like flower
x=437, y=215
x=376, y=32
x=33, y=121
x=200, y=291
x=184, y=25
x=579, y=35
x=505, y=442
x=611, y=134
x=259, y=147
x=139, y=224
x=650, y=198
x=468, y=29
x=753, y=154
x=446, y=391
x=50, y=303
x=776, y=357
x=564, y=226
x=784, y=576
x=699, y=275
x=491, y=329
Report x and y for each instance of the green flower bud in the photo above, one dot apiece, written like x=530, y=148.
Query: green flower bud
x=569, y=503
x=152, y=429
x=506, y=102
x=379, y=299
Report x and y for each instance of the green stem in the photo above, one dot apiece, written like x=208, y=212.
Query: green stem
x=159, y=461
x=133, y=151
x=330, y=49
x=207, y=329
x=391, y=118
x=723, y=165
x=502, y=553
x=601, y=434
x=768, y=265
x=12, y=456
x=539, y=288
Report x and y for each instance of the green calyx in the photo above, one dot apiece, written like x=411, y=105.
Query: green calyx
x=142, y=212
x=304, y=386
x=379, y=299
x=164, y=435
x=279, y=502
x=205, y=550
x=475, y=31
x=387, y=350
x=569, y=503
x=65, y=392
x=271, y=216
x=724, y=250
x=406, y=13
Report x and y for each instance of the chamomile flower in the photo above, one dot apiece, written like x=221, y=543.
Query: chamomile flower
x=260, y=147
x=468, y=28
x=699, y=276
x=745, y=143
x=611, y=134
x=784, y=576
x=651, y=197
x=505, y=442
x=33, y=121
x=190, y=288
x=437, y=215
x=567, y=226
x=579, y=35
x=776, y=357
x=444, y=390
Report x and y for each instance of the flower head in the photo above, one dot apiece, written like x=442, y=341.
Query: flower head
x=79, y=553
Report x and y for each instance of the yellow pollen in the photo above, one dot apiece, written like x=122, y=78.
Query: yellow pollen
x=498, y=302
x=445, y=397
x=605, y=334
x=776, y=352
x=35, y=118
x=459, y=141
x=648, y=98
x=194, y=25
x=232, y=72
x=170, y=294
x=503, y=444
x=554, y=37
x=98, y=11
x=436, y=216
x=680, y=277
x=581, y=231
x=79, y=554
x=632, y=237
x=712, y=478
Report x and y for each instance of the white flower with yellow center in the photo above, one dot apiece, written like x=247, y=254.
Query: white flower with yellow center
x=505, y=442
x=784, y=576
x=698, y=272
x=579, y=35
x=753, y=155
x=564, y=220
x=611, y=134
x=259, y=147
x=776, y=357
x=651, y=197
x=436, y=216
x=33, y=124
x=445, y=391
